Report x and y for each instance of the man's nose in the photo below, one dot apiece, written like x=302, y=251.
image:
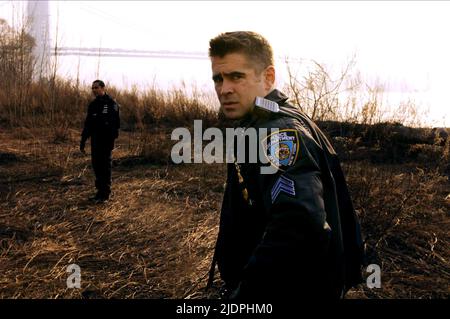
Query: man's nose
x=227, y=87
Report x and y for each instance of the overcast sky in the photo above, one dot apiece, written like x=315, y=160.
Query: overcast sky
x=404, y=44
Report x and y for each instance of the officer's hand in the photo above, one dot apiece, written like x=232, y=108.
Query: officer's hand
x=82, y=146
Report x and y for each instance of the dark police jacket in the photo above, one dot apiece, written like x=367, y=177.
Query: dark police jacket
x=293, y=233
x=102, y=121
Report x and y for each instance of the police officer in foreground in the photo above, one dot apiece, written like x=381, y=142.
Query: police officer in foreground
x=293, y=233
x=102, y=126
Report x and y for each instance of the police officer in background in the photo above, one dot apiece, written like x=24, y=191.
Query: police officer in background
x=293, y=233
x=102, y=126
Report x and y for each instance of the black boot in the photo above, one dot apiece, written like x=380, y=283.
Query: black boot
x=103, y=196
x=99, y=197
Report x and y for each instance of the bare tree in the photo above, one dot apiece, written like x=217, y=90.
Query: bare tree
x=317, y=92
x=345, y=96
x=16, y=67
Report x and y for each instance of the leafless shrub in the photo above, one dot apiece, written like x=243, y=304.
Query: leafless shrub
x=317, y=92
x=16, y=67
x=343, y=96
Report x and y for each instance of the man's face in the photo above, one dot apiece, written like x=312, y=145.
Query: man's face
x=237, y=84
x=97, y=90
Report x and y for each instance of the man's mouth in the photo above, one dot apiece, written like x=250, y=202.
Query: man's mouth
x=229, y=104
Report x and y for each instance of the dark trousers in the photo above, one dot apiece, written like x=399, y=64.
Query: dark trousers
x=102, y=163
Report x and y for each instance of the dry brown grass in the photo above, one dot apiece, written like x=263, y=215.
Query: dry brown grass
x=405, y=216
x=155, y=238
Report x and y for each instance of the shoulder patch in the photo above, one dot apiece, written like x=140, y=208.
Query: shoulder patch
x=267, y=105
x=282, y=185
x=282, y=148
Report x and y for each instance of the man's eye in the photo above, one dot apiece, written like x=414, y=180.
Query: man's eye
x=236, y=76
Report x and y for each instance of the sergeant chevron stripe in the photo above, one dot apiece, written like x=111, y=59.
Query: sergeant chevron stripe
x=283, y=184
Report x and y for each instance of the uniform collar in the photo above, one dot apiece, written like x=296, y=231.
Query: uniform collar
x=248, y=120
x=277, y=97
x=252, y=117
x=104, y=96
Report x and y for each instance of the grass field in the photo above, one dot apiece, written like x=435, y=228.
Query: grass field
x=155, y=237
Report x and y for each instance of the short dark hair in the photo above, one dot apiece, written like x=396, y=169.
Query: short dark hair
x=252, y=44
x=100, y=83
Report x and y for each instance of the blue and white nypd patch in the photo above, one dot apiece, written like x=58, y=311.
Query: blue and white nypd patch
x=282, y=185
x=282, y=148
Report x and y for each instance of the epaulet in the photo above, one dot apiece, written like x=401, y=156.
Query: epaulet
x=273, y=107
x=267, y=105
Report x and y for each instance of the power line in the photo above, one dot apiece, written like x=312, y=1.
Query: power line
x=117, y=52
x=128, y=53
x=120, y=50
x=118, y=55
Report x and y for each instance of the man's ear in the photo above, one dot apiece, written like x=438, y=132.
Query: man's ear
x=269, y=77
